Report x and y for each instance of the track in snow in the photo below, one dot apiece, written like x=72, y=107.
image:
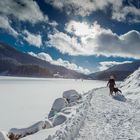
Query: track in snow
x=110, y=119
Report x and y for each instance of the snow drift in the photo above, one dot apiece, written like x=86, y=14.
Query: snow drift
x=71, y=96
x=131, y=85
x=57, y=106
x=16, y=133
x=70, y=128
x=68, y=112
x=3, y=136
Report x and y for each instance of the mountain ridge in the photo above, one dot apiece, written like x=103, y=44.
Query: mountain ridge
x=16, y=63
x=120, y=71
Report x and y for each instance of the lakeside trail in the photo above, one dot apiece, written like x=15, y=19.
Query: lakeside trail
x=111, y=118
x=96, y=116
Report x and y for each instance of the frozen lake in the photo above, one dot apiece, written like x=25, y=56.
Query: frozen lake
x=24, y=101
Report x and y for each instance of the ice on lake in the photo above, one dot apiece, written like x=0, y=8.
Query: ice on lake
x=23, y=101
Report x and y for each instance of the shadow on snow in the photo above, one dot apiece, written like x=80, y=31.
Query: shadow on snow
x=120, y=97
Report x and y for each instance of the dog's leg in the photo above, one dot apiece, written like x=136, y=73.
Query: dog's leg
x=119, y=90
x=116, y=93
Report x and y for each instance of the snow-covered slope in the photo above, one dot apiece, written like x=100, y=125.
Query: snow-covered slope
x=94, y=116
x=3, y=136
x=98, y=117
x=75, y=115
x=121, y=71
x=111, y=118
x=131, y=85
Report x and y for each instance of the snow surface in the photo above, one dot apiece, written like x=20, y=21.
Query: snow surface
x=3, y=136
x=22, y=132
x=111, y=119
x=98, y=116
x=25, y=101
x=71, y=118
x=71, y=95
x=94, y=116
x=131, y=85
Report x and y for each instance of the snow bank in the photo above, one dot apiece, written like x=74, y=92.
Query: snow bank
x=15, y=133
x=131, y=85
x=71, y=95
x=59, y=119
x=67, y=120
x=3, y=136
x=70, y=128
x=14, y=96
x=57, y=106
x=68, y=112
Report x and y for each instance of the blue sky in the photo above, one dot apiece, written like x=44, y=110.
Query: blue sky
x=82, y=35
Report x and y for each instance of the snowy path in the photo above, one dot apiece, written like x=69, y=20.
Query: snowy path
x=110, y=119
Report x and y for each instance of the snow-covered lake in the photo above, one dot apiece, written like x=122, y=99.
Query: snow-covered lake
x=24, y=101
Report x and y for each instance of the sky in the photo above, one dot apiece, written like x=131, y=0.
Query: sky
x=82, y=35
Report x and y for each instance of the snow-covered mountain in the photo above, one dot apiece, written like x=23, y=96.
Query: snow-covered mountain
x=131, y=85
x=16, y=63
x=121, y=71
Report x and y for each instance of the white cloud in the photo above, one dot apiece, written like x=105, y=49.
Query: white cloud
x=83, y=28
x=45, y=56
x=65, y=43
x=107, y=64
x=25, y=10
x=60, y=62
x=53, y=23
x=111, y=44
x=32, y=39
x=78, y=28
x=96, y=41
x=80, y=7
x=4, y=24
x=86, y=7
x=121, y=13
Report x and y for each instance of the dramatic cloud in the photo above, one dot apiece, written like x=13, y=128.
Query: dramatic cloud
x=78, y=28
x=32, y=39
x=65, y=43
x=60, y=62
x=83, y=29
x=96, y=40
x=126, y=13
x=25, y=10
x=80, y=7
x=107, y=64
x=4, y=24
x=118, y=10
